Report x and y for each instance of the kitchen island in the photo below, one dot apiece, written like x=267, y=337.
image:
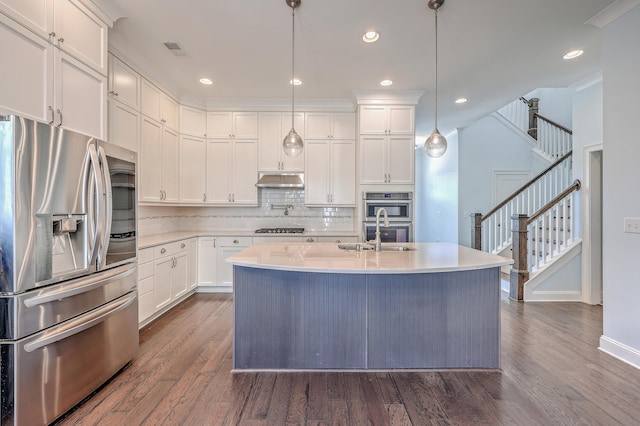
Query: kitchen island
x=318, y=307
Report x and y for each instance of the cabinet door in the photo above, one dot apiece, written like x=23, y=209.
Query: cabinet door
x=207, y=261
x=219, y=125
x=245, y=125
x=401, y=119
x=25, y=84
x=400, y=154
x=170, y=112
x=291, y=164
x=79, y=96
x=150, y=104
x=343, y=125
x=124, y=83
x=179, y=279
x=193, y=158
x=37, y=15
x=218, y=172
x=146, y=302
x=162, y=276
x=193, y=122
x=373, y=120
x=81, y=34
x=372, y=159
x=245, y=172
x=150, y=177
x=192, y=270
x=124, y=126
x=316, y=187
x=170, y=155
x=343, y=172
x=318, y=125
x=224, y=269
x=270, y=141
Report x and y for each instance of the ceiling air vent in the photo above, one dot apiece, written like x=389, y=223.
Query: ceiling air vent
x=174, y=48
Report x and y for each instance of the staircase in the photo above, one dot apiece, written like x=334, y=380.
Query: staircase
x=536, y=223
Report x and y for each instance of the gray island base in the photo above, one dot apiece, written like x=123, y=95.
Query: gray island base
x=296, y=320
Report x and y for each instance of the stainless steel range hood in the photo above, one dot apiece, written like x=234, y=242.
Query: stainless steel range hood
x=281, y=180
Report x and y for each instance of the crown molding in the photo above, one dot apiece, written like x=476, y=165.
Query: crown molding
x=388, y=97
x=612, y=12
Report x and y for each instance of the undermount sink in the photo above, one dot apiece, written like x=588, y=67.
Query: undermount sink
x=366, y=246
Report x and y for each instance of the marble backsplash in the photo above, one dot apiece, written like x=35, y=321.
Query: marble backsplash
x=273, y=203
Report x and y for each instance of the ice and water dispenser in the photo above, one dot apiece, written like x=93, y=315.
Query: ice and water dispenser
x=62, y=246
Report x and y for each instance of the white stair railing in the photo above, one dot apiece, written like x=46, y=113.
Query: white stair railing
x=554, y=139
x=491, y=232
x=541, y=237
x=517, y=112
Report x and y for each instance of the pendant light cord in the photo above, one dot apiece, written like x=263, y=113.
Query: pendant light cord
x=293, y=61
x=436, y=91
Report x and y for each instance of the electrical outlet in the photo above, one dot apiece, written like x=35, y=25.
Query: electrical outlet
x=632, y=225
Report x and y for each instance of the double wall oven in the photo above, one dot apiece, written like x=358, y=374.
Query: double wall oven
x=399, y=208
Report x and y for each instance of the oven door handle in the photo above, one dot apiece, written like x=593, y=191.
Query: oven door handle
x=81, y=323
x=81, y=286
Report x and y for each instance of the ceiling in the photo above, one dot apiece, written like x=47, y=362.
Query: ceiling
x=490, y=52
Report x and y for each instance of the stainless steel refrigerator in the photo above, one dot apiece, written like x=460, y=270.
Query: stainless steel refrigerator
x=68, y=272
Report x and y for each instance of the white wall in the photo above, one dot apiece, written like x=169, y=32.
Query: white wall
x=621, y=87
x=485, y=146
x=555, y=104
x=437, y=193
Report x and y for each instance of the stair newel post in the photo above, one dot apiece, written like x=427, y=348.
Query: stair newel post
x=519, y=270
x=533, y=118
x=476, y=230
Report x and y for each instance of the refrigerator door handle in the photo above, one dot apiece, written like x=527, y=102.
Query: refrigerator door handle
x=108, y=206
x=81, y=323
x=81, y=286
x=95, y=215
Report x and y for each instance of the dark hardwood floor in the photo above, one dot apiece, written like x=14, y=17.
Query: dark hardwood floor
x=552, y=374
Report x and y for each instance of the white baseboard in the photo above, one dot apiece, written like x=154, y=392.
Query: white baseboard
x=620, y=351
x=214, y=289
x=555, y=296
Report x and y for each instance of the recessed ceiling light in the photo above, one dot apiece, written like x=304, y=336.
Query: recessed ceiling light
x=206, y=81
x=386, y=82
x=295, y=82
x=371, y=36
x=461, y=100
x=573, y=54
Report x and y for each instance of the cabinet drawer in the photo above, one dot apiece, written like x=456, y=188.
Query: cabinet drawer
x=145, y=255
x=235, y=241
x=145, y=286
x=169, y=249
x=145, y=270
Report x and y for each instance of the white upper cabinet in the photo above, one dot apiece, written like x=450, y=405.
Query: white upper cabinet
x=330, y=176
x=231, y=172
x=193, y=121
x=325, y=125
x=386, y=159
x=159, y=153
x=386, y=119
x=124, y=83
x=67, y=24
x=193, y=157
x=124, y=126
x=273, y=128
x=157, y=105
x=233, y=125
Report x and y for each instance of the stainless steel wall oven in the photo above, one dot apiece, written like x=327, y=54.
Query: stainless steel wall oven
x=68, y=287
x=399, y=208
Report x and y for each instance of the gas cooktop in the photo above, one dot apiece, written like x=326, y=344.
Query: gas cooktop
x=280, y=231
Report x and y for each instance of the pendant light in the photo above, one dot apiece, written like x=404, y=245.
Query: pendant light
x=436, y=144
x=292, y=143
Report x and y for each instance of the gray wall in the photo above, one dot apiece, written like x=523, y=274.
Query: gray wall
x=621, y=86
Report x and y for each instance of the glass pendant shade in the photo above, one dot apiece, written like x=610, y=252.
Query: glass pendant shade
x=292, y=144
x=435, y=145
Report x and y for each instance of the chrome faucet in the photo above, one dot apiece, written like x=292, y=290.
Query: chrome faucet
x=378, y=241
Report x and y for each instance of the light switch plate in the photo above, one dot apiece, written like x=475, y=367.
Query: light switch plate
x=632, y=225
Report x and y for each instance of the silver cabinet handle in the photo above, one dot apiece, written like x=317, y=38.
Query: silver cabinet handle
x=163, y=250
x=183, y=245
x=59, y=116
x=61, y=40
x=338, y=241
x=236, y=242
x=310, y=240
x=389, y=177
x=233, y=198
x=214, y=243
x=53, y=116
x=204, y=197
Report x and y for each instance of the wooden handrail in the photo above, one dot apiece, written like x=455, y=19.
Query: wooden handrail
x=526, y=185
x=575, y=186
x=553, y=123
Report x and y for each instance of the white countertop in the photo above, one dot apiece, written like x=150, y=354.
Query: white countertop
x=328, y=258
x=168, y=237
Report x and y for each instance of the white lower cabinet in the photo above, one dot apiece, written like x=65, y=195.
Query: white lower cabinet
x=213, y=271
x=207, y=261
x=166, y=273
x=227, y=247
